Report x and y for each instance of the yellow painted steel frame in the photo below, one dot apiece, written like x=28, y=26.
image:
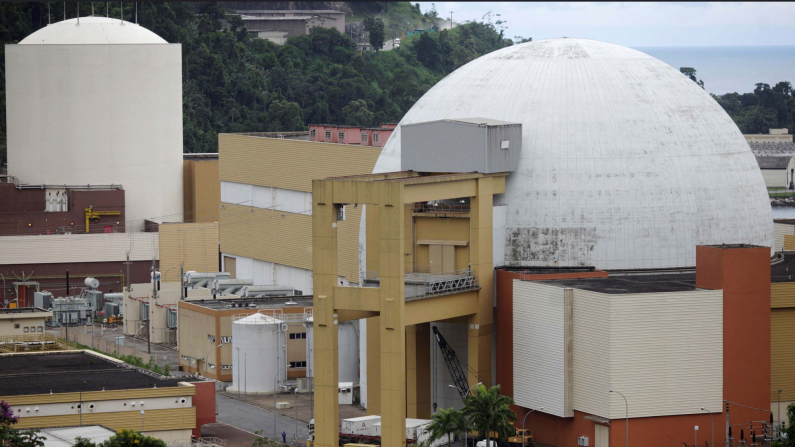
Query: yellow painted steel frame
x=91, y=214
x=389, y=314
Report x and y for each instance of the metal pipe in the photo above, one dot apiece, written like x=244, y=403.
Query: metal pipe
x=627, y=414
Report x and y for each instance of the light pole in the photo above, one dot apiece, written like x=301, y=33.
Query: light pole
x=207, y=357
x=135, y=339
x=779, y=406
x=713, y=424
x=524, y=419
x=284, y=368
x=466, y=432
x=627, y=413
x=165, y=275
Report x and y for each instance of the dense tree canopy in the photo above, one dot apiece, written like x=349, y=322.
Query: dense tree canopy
x=767, y=107
x=235, y=83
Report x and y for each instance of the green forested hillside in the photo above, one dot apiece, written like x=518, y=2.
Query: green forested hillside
x=235, y=83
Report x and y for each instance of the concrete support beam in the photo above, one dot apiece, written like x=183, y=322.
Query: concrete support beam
x=374, y=366
x=418, y=371
x=393, y=332
x=326, y=360
x=480, y=324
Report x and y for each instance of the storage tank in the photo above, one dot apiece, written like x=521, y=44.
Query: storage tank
x=257, y=353
x=99, y=103
x=348, y=339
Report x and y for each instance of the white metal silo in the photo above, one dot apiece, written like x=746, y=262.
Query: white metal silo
x=348, y=345
x=98, y=103
x=258, y=354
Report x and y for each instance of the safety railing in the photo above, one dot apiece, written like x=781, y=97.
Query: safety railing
x=421, y=283
x=441, y=208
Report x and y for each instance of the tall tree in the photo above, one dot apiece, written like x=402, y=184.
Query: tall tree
x=376, y=33
x=490, y=412
x=690, y=72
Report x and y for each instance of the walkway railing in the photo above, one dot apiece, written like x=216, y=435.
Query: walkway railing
x=421, y=283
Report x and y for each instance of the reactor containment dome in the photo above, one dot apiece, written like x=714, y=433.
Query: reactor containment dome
x=98, y=102
x=625, y=162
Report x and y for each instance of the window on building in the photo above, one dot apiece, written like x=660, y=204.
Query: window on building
x=341, y=135
x=375, y=137
x=40, y=329
x=298, y=364
x=312, y=133
x=300, y=336
x=16, y=325
x=25, y=329
x=364, y=137
x=328, y=134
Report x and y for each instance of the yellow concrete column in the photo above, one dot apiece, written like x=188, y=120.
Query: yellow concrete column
x=480, y=324
x=326, y=358
x=418, y=371
x=373, y=366
x=392, y=306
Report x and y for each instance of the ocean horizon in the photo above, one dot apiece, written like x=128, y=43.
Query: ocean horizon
x=731, y=69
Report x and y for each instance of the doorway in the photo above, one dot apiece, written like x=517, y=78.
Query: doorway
x=602, y=436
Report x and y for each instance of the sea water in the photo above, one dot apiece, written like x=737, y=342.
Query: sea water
x=731, y=69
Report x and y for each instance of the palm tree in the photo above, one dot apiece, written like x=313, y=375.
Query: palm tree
x=448, y=422
x=490, y=412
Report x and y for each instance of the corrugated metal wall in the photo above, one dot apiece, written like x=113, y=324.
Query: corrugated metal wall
x=289, y=164
x=780, y=232
x=282, y=237
x=63, y=248
x=664, y=351
x=539, y=347
x=193, y=244
x=782, y=368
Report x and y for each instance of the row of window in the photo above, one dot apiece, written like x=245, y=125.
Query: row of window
x=341, y=135
x=300, y=336
x=297, y=364
x=29, y=328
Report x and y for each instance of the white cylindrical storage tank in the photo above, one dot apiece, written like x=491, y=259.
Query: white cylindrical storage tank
x=258, y=360
x=348, y=339
x=99, y=103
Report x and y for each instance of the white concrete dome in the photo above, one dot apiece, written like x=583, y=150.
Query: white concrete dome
x=625, y=162
x=92, y=31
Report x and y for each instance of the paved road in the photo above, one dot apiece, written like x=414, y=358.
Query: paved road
x=250, y=418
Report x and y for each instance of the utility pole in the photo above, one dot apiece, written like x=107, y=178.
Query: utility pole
x=451, y=20
x=151, y=303
x=128, y=271
x=181, y=281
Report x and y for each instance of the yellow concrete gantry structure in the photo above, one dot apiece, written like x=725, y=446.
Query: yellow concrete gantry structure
x=398, y=329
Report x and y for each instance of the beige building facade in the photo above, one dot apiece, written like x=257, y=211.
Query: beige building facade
x=204, y=324
x=266, y=190
x=23, y=321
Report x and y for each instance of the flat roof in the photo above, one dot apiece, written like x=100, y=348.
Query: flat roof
x=547, y=270
x=783, y=271
x=634, y=283
x=773, y=162
x=23, y=310
x=478, y=121
x=276, y=302
x=416, y=177
x=66, y=372
x=205, y=156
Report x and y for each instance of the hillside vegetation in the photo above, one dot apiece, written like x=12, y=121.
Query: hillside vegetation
x=235, y=83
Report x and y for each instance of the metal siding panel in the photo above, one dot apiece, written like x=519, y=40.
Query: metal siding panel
x=539, y=348
x=289, y=164
x=775, y=177
x=590, y=344
x=782, y=325
x=281, y=237
x=789, y=242
x=666, y=352
x=503, y=160
x=193, y=244
x=779, y=231
x=782, y=294
x=63, y=248
x=444, y=147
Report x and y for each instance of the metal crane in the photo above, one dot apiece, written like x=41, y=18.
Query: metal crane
x=453, y=365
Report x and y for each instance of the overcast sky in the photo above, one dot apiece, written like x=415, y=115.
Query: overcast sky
x=639, y=24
